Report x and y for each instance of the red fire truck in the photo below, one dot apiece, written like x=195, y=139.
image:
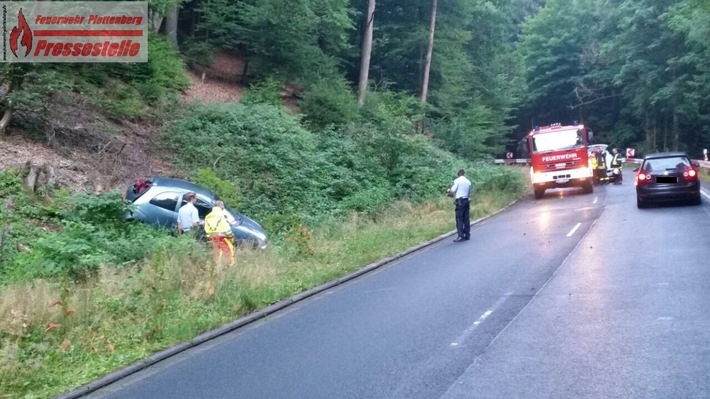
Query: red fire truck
x=559, y=157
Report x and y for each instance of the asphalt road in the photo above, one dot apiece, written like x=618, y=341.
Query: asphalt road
x=573, y=295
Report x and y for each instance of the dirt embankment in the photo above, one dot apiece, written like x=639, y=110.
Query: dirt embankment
x=90, y=152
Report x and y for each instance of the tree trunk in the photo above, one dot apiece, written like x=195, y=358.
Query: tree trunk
x=665, y=133
x=245, y=70
x=31, y=179
x=50, y=175
x=646, y=130
x=5, y=120
x=366, y=53
x=156, y=20
x=676, y=133
x=7, y=115
x=171, y=25
x=430, y=51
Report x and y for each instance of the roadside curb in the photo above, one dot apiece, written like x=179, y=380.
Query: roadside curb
x=126, y=371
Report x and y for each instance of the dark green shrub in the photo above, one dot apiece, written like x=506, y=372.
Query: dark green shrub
x=267, y=91
x=78, y=235
x=224, y=189
x=392, y=112
x=288, y=177
x=329, y=101
x=265, y=152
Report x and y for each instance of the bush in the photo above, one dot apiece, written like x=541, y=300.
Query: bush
x=264, y=151
x=224, y=189
x=288, y=177
x=329, y=101
x=69, y=237
x=267, y=91
x=392, y=112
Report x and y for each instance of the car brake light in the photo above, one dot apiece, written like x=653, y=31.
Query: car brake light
x=642, y=177
x=690, y=172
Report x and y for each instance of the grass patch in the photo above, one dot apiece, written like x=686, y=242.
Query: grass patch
x=704, y=174
x=56, y=334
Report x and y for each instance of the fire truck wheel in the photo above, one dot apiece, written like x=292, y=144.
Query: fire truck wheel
x=588, y=187
x=539, y=192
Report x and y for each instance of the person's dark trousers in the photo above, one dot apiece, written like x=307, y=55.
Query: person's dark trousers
x=463, y=225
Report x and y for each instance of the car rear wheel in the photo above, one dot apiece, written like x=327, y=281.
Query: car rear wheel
x=640, y=204
x=697, y=201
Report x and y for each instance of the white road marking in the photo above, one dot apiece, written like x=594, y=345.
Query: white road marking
x=480, y=320
x=665, y=318
x=382, y=290
x=595, y=200
x=573, y=230
x=515, y=318
x=705, y=194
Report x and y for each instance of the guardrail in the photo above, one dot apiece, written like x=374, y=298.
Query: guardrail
x=523, y=161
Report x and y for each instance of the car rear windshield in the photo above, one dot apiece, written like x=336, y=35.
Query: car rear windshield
x=663, y=164
x=138, y=188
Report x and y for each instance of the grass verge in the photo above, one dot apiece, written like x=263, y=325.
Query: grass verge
x=704, y=174
x=56, y=335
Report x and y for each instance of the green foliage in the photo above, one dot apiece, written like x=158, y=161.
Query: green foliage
x=224, y=189
x=198, y=53
x=289, y=177
x=392, y=112
x=165, y=70
x=371, y=199
x=218, y=22
x=267, y=91
x=329, y=101
x=265, y=152
x=67, y=236
x=635, y=72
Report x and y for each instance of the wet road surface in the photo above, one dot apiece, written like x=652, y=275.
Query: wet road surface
x=573, y=295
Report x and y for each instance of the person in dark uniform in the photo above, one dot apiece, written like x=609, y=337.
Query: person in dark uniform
x=461, y=191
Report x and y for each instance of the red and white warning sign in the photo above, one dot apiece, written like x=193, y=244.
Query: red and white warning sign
x=630, y=153
x=75, y=31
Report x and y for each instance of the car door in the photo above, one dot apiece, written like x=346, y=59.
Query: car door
x=163, y=209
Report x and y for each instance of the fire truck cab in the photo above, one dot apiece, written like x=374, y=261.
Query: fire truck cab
x=559, y=157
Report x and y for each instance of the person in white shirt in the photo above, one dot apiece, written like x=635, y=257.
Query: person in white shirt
x=461, y=191
x=188, y=217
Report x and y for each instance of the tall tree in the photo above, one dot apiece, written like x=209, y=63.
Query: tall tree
x=366, y=53
x=430, y=51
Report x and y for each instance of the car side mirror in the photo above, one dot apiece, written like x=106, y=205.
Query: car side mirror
x=696, y=164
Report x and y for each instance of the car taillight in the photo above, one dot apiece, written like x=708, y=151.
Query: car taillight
x=643, y=178
x=690, y=173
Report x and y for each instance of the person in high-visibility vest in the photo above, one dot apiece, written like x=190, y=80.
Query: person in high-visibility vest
x=616, y=162
x=601, y=166
x=593, y=161
x=219, y=232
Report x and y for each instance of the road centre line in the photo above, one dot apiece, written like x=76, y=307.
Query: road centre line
x=705, y=194
x=480, y=320
x=573, y=230
x=595, y=200
x=515, y=318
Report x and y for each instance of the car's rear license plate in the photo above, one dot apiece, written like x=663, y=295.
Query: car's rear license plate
x=562, y=181
x=666, y=179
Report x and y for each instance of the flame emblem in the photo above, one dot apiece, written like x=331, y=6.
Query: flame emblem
x=24, y=30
